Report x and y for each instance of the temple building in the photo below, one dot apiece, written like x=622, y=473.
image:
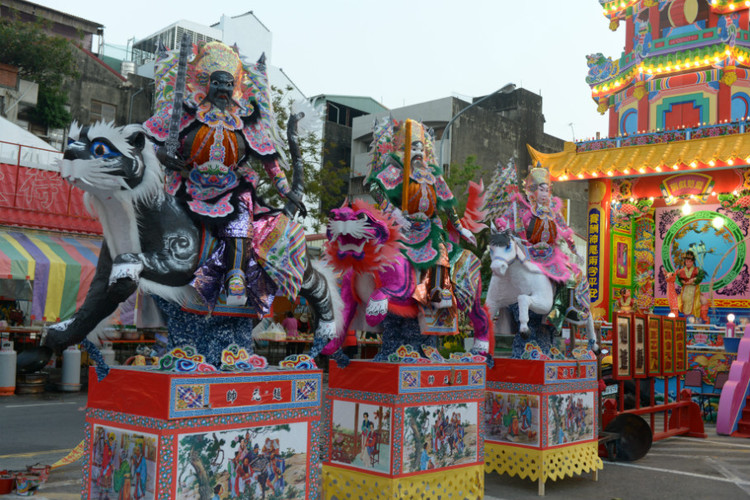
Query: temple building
x=669, y=188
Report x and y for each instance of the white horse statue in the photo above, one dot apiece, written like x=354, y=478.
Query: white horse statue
x=517, y=279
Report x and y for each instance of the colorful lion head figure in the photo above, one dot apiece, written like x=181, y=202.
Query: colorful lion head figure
x=362, y=238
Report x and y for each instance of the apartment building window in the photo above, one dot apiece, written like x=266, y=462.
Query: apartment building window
x=101, y=111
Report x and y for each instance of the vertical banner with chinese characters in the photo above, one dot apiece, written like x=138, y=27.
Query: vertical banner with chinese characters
x=622, y=355
x=653, y=346
x=680, y=349
x=639, y=346
x=667, y=346
x=594, y=253
x=598, y=251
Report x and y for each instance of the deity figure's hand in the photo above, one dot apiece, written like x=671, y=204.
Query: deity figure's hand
x=172, y=162
x=296, y=203
x=467, y=235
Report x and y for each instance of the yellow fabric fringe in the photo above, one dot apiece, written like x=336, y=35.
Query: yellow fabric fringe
x=465, y=482
x=552, y=464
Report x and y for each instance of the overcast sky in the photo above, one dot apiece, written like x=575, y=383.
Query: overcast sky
x=402, y=52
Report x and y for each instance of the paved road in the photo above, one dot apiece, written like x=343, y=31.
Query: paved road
x=714, y=468
x=43, y=429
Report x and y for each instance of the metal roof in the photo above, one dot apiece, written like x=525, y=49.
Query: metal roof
x=360, y=103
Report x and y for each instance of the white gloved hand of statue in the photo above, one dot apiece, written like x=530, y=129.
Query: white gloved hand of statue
x=402, y=221
x=468, y=235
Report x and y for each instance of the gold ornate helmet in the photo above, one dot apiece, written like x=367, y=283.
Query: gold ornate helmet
x=537, y=176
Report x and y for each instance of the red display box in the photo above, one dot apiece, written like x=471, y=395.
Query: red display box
x=541, y=418
x=167, y=435
x=404, y=427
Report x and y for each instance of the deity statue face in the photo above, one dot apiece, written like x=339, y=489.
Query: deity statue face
x=689, y=260
x=417, y=154
x=220, y=89
x=543, y=195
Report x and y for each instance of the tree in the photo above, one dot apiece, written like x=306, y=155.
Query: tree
x=43, y=59
x=459, y=176
x=458, y=180
x=320, y=186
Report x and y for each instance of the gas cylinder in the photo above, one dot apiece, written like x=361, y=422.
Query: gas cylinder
x=71, y=369
x=108, y=353
x=7, y=368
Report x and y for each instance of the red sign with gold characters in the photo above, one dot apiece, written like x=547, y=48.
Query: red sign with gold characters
x=653, y=346
x=680, y=350
x=571, y=372
x=639, y=346
x=687, y=184
x=443, y=378
x=667, y=346
x=257, y=393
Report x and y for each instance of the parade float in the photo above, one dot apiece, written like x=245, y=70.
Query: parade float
x=209, y=417
x=668, y=189
x=540, y=408
x=409, y=421
x=187, y=434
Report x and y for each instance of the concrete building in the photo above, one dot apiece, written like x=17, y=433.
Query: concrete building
x=336, y=149
x=15, y=93
x=99, y=93
x=494, y=131
x=246, y=31
x=85, y=33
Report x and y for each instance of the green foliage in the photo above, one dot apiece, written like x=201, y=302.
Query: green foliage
x=50, y=109
x=459, y=176
x=458, y=180
x=451, y=344
x=43, y=59
x=206, y=449
x=737, y=202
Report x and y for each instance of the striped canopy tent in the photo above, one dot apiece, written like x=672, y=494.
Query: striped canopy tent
x=53, y=271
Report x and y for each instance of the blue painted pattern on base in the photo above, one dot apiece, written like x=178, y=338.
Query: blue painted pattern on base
x=398, y=331
x=166, y=466
x=157, y=424
x=584, y=385
x=210, y=335
x=446, y=396
x=541, y=333
x=398, y=441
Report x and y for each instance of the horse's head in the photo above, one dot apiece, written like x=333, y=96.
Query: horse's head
x=108, y=161
x=502, y=250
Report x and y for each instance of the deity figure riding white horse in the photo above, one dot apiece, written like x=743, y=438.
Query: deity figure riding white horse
x=531, y=272
x=516, y=279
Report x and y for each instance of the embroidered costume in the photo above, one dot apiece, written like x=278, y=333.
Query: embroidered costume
x=226, y=120
x=538, y=221
x=403, y=173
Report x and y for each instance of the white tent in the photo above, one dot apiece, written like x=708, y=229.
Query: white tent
x=21, y=147
x=10, y=132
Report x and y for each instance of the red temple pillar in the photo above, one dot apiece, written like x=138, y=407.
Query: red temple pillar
x=653, y=18
x=614, y=122
x=724, y=99
x=641, y=93
x=629, y=34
